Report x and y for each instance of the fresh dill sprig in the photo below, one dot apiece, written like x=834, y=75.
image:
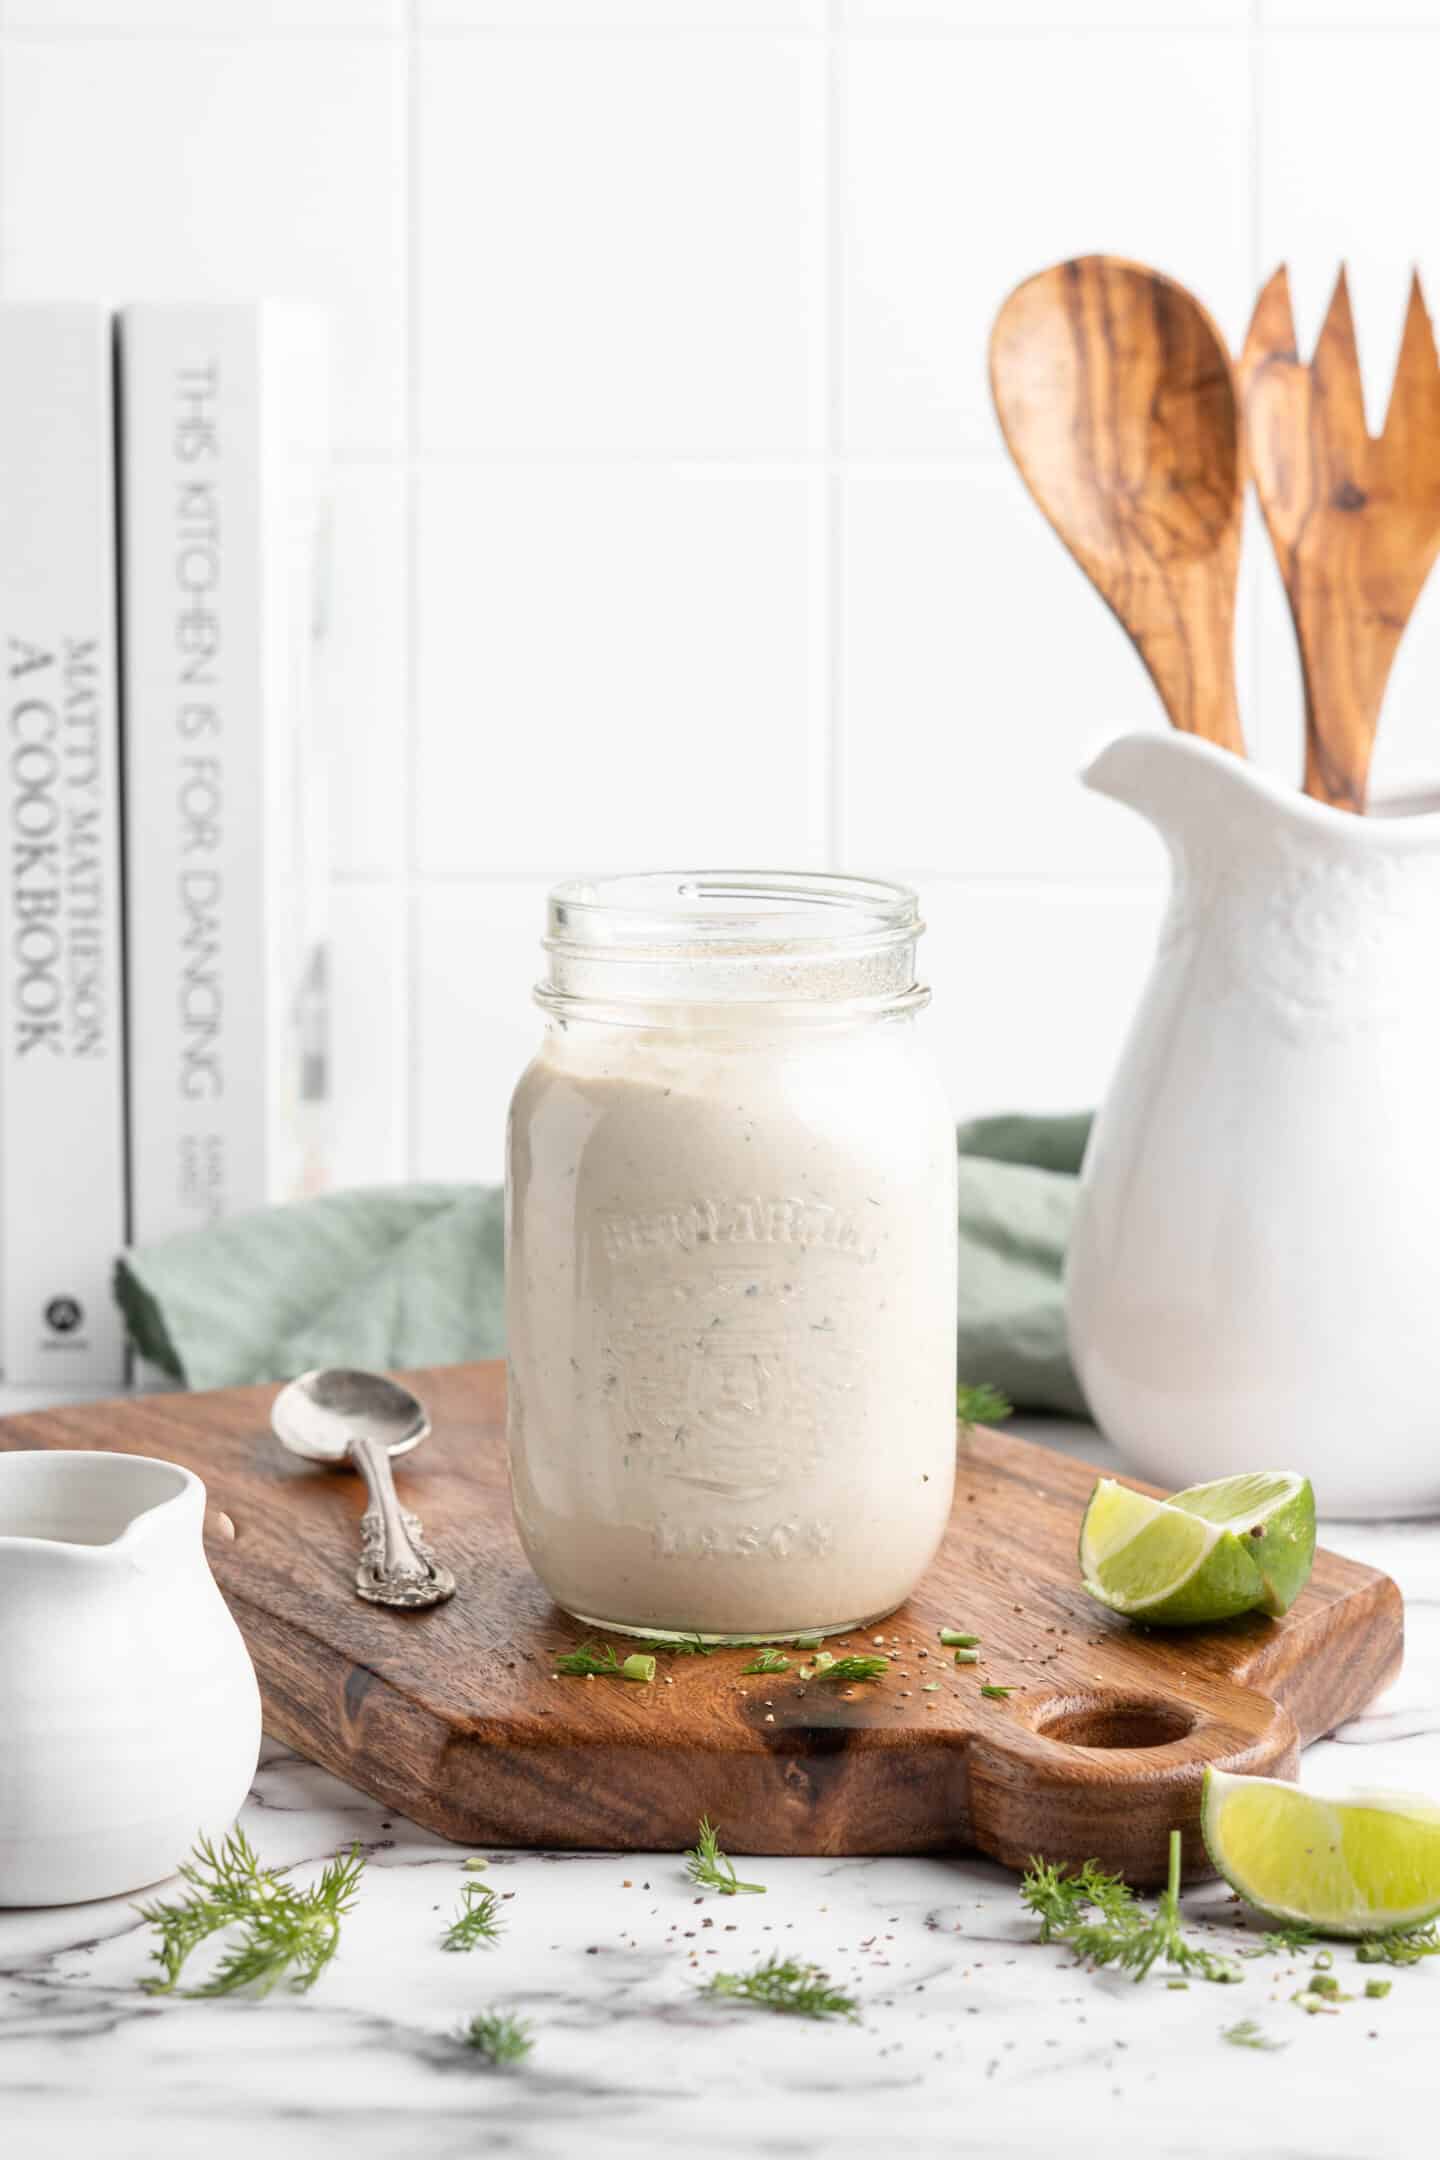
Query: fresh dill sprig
x=287, y=1933
x=682, y=1645
x=1059, y=1901
x=713, y=1869
x=589, y=1658
x=1248, y=2034
x=1123, y=1934
x=1402, y=1946
x=767, y=1661
x=853, y=1668
x=782, y=1984
x=500, y=2038
x=479, y=1919
x=981, y=1405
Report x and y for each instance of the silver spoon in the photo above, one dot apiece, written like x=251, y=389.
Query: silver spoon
x=362, y=1418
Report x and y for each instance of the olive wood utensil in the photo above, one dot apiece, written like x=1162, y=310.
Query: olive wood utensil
x=1354, y=518
x=1116, y=396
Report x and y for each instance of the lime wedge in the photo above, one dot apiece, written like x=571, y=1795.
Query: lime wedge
x=1156, y=1562
x=1359, y=1866
x=1274, y=1511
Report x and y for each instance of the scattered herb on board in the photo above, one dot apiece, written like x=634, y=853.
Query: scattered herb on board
x=767, y=1661
x=713, y=1869
x=287, y=1933
x=781, y=1984
x=1104, y=1923
x=1402, y=1946
x=996, y=1694
x=852, y=1668
x=501, y=2039
x=981, y=1405
x=478, y=1920
x=600, y=1658
x=1248, y=2034
x=967, y=1657
x=684, y=1645
x=953, y=1638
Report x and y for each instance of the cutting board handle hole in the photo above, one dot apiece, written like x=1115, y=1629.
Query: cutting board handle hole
x=1111, y=1721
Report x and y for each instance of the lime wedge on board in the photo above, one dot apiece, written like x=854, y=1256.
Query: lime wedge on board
x=1153, y=1561
x=1274, y=1511
x=1359, y=1866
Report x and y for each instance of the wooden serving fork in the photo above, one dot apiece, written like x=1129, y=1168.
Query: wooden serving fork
x=1354, y=518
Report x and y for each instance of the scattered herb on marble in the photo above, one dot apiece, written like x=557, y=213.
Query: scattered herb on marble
x=1377, y=1990
x=1281, y=1942
x=1247, y=2034
x=475, y=1864
x=1104, y=1923
x=981, y=1405
x=1402, y=1946
x=287, y=1934
x=952, y=1638
x=767, y=1661
x=852, y=1668
x=713, y=1869
x=996, y=1694
x=500, y=2038
x=478, y=1920
x=782, y=1984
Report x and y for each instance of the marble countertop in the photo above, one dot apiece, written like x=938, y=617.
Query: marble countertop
x=972, y=2037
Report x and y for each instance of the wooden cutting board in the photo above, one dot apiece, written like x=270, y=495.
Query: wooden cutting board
x=454, y=1718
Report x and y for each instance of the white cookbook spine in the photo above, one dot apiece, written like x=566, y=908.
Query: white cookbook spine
x=222, y=491
x=62, y=1070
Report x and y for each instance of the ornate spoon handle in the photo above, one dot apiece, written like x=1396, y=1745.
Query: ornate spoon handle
x=396, y=1566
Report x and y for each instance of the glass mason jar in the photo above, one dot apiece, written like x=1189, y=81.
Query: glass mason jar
x=731, y=1258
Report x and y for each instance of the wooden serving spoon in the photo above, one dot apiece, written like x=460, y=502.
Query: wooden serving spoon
x=1354, y=519
x=1116, y=397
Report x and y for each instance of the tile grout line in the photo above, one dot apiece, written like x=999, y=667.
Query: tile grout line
x=407, y=1064
x=833, y=672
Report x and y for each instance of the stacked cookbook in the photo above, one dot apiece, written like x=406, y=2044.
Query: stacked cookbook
x=163, y=554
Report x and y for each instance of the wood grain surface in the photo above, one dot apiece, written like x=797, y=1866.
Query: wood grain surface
x=1354, y=519
x=1116, y=396
x=454, y=1717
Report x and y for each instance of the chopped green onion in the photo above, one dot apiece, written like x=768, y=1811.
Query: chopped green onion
x=967, y=1657
x=956, y=1639
x=637, y=1667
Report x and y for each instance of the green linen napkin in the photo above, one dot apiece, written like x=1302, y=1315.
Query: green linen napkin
x=405, y=1275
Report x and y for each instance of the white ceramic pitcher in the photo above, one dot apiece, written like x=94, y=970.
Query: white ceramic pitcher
x=129, y=1713
x=1254, y=1278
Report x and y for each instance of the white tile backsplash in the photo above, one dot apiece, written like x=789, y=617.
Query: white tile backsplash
x=622, y=244
x=672, y=520
x=620, y=665
x=150, y=169
x=477, y=959
x=979, y=672
x=367, y=690
x=970, y=163
x=370, y=1033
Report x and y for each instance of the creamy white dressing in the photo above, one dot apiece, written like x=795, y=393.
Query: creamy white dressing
x=731, y=1318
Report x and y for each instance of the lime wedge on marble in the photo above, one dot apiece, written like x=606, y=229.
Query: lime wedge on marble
x=1358, y=1866
x=1274, y=1511
x=1152, y=1561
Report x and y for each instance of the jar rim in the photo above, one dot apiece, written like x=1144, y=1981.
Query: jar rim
x=707, y=912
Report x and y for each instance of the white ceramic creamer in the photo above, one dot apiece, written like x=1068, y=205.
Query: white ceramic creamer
x=1254, y=1277
x=129, y=1712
